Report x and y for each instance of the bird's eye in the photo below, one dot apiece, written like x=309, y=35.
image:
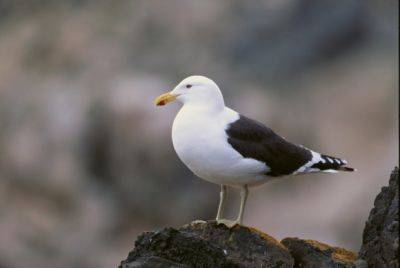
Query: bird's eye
x=188, y=86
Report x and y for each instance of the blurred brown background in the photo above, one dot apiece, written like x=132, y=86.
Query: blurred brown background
x=86, y=160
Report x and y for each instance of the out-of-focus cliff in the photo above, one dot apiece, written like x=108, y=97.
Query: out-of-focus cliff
x=86, y=160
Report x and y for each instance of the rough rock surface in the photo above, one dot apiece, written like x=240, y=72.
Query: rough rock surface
x=380, y=247
x=211, y=245
x=208, y=245
x=311, y=253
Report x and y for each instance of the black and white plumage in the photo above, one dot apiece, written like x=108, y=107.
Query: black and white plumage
x=222, y=146
x=254, y=140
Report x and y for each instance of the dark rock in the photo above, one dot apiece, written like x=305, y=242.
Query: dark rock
x=311, y=253
x=152, y=262
x=211, y=245
x=208, y=245
x=244, y=246
x=380, y=247
x=180, y=247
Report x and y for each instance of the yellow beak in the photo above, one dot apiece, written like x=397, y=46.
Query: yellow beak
x=164, y=99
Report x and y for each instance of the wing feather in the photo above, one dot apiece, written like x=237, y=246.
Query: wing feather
x=254, y=140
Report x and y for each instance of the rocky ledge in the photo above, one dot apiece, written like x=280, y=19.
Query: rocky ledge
x=380, y=247
x=211, y=245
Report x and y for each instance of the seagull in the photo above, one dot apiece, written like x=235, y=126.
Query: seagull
x=227, y=148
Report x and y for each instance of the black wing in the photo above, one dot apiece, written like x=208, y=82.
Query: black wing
x=254, y=140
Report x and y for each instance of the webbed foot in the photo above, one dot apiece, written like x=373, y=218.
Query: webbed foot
x=228, y=223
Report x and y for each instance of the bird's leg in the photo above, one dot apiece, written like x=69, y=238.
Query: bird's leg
x=223, y=195
x=244, y=192
x=222, y=199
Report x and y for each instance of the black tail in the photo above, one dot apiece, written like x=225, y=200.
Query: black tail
x=333, y=163
x=350, y=169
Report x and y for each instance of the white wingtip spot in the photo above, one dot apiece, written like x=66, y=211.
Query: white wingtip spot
x=330, y=171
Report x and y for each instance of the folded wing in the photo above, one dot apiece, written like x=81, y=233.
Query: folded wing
x=254, y=140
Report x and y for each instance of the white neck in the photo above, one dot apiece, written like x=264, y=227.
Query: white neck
x=211, y=107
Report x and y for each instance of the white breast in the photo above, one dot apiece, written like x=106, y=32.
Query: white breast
x=200, y=140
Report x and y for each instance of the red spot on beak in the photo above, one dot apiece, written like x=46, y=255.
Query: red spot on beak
x=161, y=103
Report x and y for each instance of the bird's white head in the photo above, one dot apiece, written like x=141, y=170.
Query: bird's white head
x=194, y=90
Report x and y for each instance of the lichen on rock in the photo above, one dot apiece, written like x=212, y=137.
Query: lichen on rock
x=311, y=253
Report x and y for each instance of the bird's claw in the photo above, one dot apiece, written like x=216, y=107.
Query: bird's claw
x=228, y=223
